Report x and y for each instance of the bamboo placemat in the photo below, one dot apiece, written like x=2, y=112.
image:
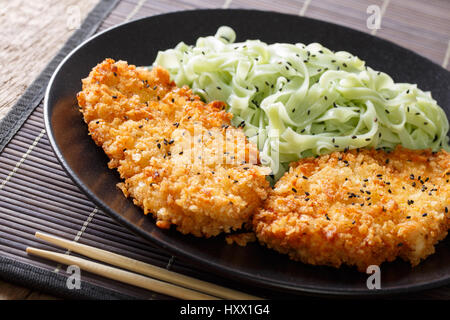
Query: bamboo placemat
x=37, y=195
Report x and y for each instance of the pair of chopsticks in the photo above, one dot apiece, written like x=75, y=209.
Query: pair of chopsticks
x=142, y=275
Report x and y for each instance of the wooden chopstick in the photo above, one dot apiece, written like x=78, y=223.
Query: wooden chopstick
x=122, y=275
x=147, y=269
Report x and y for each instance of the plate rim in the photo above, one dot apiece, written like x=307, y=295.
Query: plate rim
x=216, y=268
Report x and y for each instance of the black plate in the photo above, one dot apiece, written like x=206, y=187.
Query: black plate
x=138, y=42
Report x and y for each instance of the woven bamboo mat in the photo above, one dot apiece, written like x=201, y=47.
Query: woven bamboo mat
x=37, y=195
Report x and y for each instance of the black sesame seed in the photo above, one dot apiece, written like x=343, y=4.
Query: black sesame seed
x=295, y=190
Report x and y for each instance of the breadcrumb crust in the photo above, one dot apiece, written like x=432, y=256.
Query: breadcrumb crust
x=146, y=126
x=359, y=208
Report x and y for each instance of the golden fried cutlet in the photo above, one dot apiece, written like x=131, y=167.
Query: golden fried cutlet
x=359, y=208
x=164, y=141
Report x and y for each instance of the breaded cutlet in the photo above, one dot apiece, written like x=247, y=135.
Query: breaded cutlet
x=163, y=142
x=359, y=208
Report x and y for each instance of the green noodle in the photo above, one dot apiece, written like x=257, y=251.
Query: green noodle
x=301, y=100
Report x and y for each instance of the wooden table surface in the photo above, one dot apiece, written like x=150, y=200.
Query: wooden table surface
x=28, y=41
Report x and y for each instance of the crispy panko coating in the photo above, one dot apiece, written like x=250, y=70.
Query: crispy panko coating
x=164, y=141
x=359, y=208
x=241, y=239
